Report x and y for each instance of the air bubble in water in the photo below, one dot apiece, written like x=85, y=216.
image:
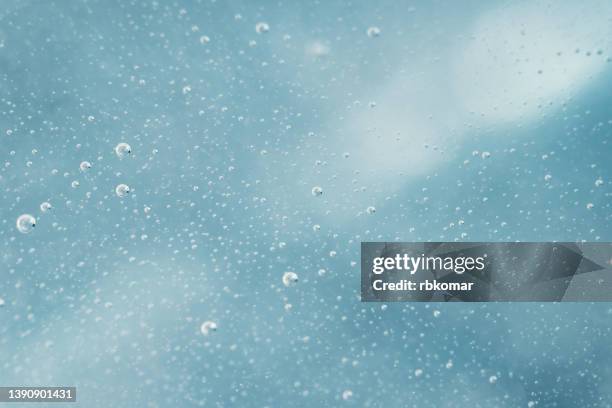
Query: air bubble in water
x=2, y=303
x=347, y=394
x=204, y=39
x=290, y=279
x=317, y=191
x=371, y=210
x=46, y=206
x=122, y=190
x=25, y=223
x=84, y=166
x=373, y=31
x=208, y=327
x=493, y=379
x=122, y=150
x=262, y=28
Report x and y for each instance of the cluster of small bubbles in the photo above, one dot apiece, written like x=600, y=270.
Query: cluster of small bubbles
x=75, y=184
x=547, y=177
x=492, y=379
x=290, y=279
x=371, y=210
x=45, y=206
x=373, y=31
x=347, y=395
x=123, y=149
x=208, y=327
x=262, y=28
x=84, y=166
x=204, y=39
x=122, y=190
x=418, y=372
x=317, y=191
x=25, y=223
x=316, y=228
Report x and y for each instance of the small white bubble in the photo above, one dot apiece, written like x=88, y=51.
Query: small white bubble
x=262, y=28
x=204, y=39
x=25, y=223
x=122, y=190
x=122, y=150
x=590, y=206
x=347, y=395
x=45, y=206
x=317, y=191
x=418, y=372
x=290, y=279
x=208, y=327
x=493, y=379
x=84, y=166
x=371, y=210
x=373, y=31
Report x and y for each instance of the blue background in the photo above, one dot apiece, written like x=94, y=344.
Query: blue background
x=447, y=123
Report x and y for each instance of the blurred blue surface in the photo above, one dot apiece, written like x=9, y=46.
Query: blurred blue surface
x=462, y=121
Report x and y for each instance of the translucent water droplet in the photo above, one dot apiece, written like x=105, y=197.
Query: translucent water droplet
x=208, y=327
x=262, y=28
x=493, y=379
x=84, y=166
x=418, y=372
x=122, y=190
x=25, y=223
x=290, y=279
x=75, y=184
x=204, y=39
x=122, y=150
x=317, y=191
x=347, y=395
x=373, y=31
x=45, y=206
x=371, y=210
x=2, y=303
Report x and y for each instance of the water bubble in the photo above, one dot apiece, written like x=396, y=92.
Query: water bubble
x=45, y=206
x=317, y=191
x=332, y=254
x=493, y=379
x=599, y=182
x=485, y=155
x=2, y=303
x=290, y=279
x=25, y=223
x=347, y=395
x=75, y=184
x=322, y=272
x=449, y=364
x=84, y=166
x=547, y=177
x=208, y=327
x=418, y=372
x=122, y=150
x=204, y=39
x=436, y=313
x=262, y=28
x=373, y=31
x=590, y=206
x=122, y=190
x=316, y=228
x=371, y=210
